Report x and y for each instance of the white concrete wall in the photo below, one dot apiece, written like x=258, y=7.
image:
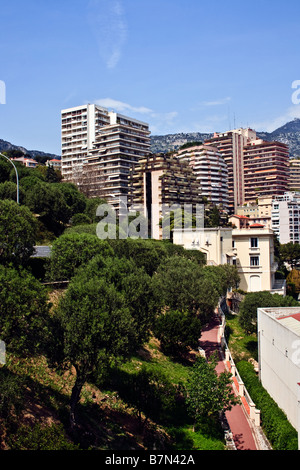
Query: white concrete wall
x=279, y=371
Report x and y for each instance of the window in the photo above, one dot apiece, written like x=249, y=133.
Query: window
x=254, y=260
x=254, y=242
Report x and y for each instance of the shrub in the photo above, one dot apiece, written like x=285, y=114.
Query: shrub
x=40, y=437
x=80, y=219
x=278, y=429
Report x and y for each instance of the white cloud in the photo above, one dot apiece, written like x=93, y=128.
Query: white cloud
x=159, y=122
x=109, y=27
x=217, y=102
x=122, y=107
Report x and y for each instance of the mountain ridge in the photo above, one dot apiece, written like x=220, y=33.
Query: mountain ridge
x=6, y=146
x=288, y=133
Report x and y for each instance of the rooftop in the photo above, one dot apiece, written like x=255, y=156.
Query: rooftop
x=289, y=317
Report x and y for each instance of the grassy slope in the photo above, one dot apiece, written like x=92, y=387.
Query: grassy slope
x=106, y=422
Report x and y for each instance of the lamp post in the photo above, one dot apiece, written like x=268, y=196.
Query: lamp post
x=17, y=176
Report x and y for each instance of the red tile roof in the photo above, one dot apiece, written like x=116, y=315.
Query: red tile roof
x=296, y=316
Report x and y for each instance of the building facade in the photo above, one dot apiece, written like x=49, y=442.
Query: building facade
x=211, y=172
x=294, y=174
x=215, y=243
x=278, y=332
x=250, y=249
x=254, y=251
x=159, y=182
x=266, y=169
x=285, y=217
x=26, y=161
x=231, y=145
x=98, y=149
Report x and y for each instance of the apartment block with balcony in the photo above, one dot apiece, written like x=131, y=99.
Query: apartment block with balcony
x=162, y=181
x=99, y=147
x=285, y=217
x=79, y=126
x=266, y=169
x=294, y=174
x=231, y=145
x=211, y=172
x=118, y=147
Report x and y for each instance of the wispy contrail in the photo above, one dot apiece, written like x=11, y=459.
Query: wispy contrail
x=108, y=24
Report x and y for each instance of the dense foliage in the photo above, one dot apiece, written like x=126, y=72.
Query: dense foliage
x=255, y=300
x=207, y=392
x=17, y=233
x=24, y=311
x=278, y=430
x=121, y=295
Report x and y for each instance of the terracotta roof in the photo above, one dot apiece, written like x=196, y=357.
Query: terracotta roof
x=296, y=316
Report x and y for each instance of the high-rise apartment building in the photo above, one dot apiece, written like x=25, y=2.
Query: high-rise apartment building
x=286, y=217
x=294, y=174
x=162, y=181
x=98, y=149
x=266, y=169
x=231, y=145
x=211, y=172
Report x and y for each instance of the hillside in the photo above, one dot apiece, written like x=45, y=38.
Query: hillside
x=5, y=146
x=289, y=134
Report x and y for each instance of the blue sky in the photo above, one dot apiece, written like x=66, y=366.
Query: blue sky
x=180, y=65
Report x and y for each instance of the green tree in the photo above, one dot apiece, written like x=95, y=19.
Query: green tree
x=181, y=284
x=177, y=332
x=75, y=200
x=212, y=216
x=290, y=253
x=24, y=311
x=94, y=325
x=48, y=202
x=5, y=169
x=145, y=253
x=176, y=219
x=255, y=300
x=70, y=251
x=223, y=276
x=133, y=283
x=81, y=219
x=150, y=392
x=8, y=190
x=52, y=175
x=28, y=182
x=207, y=393
x=293, y=281
x=17, y=233
x=91, y=208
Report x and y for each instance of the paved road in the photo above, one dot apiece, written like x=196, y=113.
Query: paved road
x=42, y=252
x=237, y=420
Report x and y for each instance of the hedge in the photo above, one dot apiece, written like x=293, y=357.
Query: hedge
x=279, y=431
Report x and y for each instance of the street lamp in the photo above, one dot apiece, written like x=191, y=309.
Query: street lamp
x=17, y=176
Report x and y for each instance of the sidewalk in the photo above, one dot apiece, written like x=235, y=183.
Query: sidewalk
x=238, y=421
